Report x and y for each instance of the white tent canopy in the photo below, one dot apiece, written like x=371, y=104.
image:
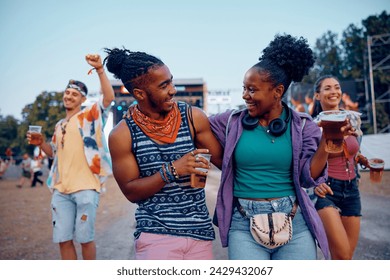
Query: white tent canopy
x=377, y=146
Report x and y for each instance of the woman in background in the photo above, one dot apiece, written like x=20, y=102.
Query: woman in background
x=338, y=202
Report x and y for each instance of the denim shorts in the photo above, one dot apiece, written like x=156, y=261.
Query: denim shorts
x=74, y=215
x=242, y=246
x=345, y=198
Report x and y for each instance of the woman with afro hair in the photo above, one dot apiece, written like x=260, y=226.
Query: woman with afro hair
x=270, y=153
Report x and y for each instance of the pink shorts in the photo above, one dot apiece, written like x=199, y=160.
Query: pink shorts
x=151, y=246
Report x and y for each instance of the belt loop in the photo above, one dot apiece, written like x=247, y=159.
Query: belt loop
x=292, y=198
x=294, y=210
x=241, y=209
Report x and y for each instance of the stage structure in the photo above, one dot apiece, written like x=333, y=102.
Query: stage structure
x=378, y=60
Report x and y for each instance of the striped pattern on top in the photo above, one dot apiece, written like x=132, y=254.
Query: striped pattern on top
x=177, y=209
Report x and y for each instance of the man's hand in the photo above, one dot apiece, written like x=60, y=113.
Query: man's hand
x=188, y=163
x=38, y=138
x=94, y=60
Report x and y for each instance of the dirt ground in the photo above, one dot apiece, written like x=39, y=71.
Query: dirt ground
x=25, y=217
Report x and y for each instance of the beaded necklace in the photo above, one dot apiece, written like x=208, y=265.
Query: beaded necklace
x=63, y=125
x=347, y=163
x=63, y=131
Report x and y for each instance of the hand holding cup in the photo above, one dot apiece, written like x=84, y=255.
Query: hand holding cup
x=199, y=181
x=191, y=162
x=34, y=135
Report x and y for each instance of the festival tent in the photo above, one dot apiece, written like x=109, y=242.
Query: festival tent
x=377, y=146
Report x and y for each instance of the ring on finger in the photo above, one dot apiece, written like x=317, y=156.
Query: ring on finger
x=196, y=158
x=192, y=153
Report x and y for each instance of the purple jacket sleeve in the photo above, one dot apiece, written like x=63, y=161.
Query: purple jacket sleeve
x=311, y=136
x=218, y=126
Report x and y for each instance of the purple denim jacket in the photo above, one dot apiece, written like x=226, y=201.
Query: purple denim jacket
x=305, y=143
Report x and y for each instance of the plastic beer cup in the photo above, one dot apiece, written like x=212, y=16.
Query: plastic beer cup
x=331, y=122
x=199, y=181
x=376, y=169
x=35, y=132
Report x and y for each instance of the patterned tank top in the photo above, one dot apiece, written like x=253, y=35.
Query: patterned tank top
x=177, y=209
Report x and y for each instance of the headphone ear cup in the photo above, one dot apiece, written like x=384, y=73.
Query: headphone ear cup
x=277, y=127
x=249, y=123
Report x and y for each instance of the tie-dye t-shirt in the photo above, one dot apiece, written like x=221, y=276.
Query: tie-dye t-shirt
x=91, y=121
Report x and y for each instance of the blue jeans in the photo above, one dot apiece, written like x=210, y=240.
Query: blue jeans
x=242, y=246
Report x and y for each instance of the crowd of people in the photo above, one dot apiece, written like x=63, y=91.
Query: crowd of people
x=269, y=156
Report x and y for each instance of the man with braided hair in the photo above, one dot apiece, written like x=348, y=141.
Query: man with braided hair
x=153, y=153
x=81, y=164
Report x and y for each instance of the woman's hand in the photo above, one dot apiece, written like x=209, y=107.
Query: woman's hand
x=348, y=129
x=362, y=160
x=322, y=190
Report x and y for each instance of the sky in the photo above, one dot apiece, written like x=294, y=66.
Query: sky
x=44, y=42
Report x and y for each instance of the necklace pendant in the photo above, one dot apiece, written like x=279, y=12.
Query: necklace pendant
x=273, y=141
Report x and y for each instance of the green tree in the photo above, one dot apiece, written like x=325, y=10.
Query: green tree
x=355, y=58
x=328, y=55
x=8, y=134
x=354, y=43
x=46, y=111
x=377, y=24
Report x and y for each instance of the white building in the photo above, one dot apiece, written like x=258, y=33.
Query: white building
x=218, y=101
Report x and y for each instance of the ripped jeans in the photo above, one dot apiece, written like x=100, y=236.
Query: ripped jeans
x=74, y=215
